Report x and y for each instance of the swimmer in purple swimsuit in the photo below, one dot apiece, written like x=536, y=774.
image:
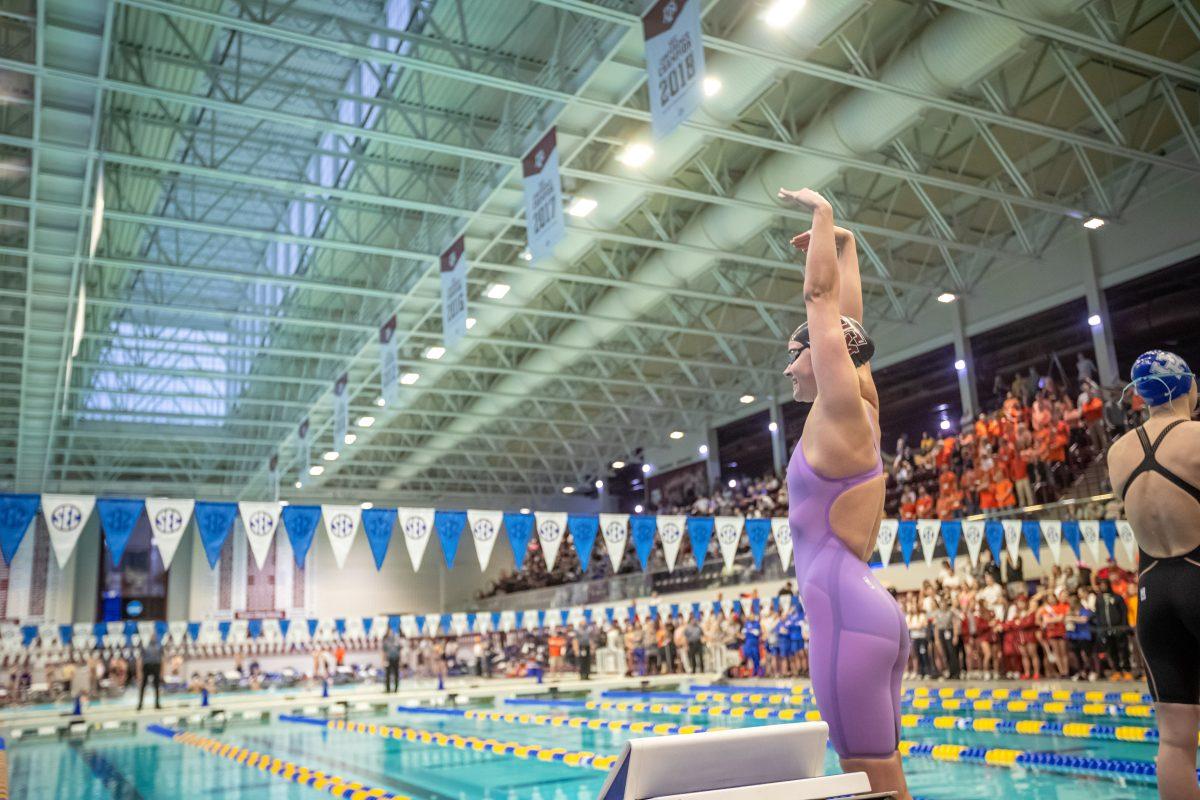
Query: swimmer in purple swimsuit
x=858, y=638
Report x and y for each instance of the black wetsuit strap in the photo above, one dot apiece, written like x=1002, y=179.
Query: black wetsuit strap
x=1149, y=462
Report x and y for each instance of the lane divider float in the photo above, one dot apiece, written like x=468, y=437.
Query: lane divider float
x=972, y=693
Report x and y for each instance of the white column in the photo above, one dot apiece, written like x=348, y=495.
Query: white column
x=712, y=460
x=778, y=448
x=962, y=352
x=1097, y=307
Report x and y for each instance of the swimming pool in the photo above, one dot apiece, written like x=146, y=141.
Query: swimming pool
x=539, y=759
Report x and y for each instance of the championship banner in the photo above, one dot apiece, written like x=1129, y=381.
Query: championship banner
x=485, y=529
x=213, y=523
x=643, y=536
x=273, y=476
x=907, y=534
x=305, y=450
x=341, y=412
x=454, y=293
x=1125, y=534
x=886, y=539
x=951, y=535
x=1031, y=531
x=674, y=63
x=65, y=516
x=583, y=529
x=341, y=526
x=259, y=520
x=758, y=531
x=389, y=360
x=927, y=532
x=16, y=512
x=377, y=525
x=700, y=532
x=973, y=531
x=551, y=525
x=615, y=529
x=449, y=525
x=417, y=525
x=1052, y=535
x=781, y=531
x=729, y=531
x=519, y=528
x=1012, y=538
x=300, y=522
x=670, y=532
x=169, y=519
x=544, y=224
x=1089, y=531
x=117, y=520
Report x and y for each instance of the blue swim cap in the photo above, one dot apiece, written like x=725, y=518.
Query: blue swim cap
x=1159, y=377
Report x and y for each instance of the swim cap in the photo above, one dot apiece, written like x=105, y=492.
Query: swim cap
x=857, y=341
x=1159, y=377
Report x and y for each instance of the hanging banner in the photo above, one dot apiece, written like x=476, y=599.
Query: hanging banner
x=729, y=532
x=273, y=476
x=449, y=525
x=583, y=529
x=117, y=519
x=643, y=536
x=674, y=62
x=993, y=532
x=169, y=519
x=1070, y=532
x=305, y=450
x=454, y=293
x=973, y=532
x=259, y=521
x=417, y=524
x=551, y=525
x=927, y=533
x=16, y=512
x=670, y=532
x=700, y=533
x=341, y=412
x=886, y=539
x=65, y=516
x=300, y=522
x=341, y=526
x=1128, y=540
x=1108, y=535
x=615, y=528
x=377, y=525
x=951, y=534
x=758, y=531
x=544, y=224
x=907, y=534
x=485, y=529
x=1051, y=530
x=1031, y=531
x=389, y=360
x=519, y=528
x=1089, y=531
x=781, y=532
x=213, y=523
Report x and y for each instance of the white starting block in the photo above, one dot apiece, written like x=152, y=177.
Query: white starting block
x=773, y=762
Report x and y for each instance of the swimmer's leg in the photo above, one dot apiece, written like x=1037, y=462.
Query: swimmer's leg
x=885, y=774
x=1177, y=728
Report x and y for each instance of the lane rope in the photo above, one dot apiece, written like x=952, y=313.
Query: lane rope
x=972, y=693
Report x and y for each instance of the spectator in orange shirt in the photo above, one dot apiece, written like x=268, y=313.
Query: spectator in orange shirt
x=947, y=481
x=1018, y=471
x=1004, y=489
x=1012, y=408
x=1091, y=408
x=949, y=504
x=981, y=427
x=924, y=507
x=994, y=427
x=987, y=493
x=1042, y=413
x=908, y=505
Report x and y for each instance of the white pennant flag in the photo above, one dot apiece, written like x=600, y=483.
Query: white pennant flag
x=729, y=532
x=551, y=525
x=887, y=539
x=508, y=620
x=259, y=520
x=781, y=530
x=417, y=524
x=973, y=533
x=927, y=532
x=341, y=526
x=615, y=530
x=65, y=516
x=1125, y=534
x=485, y=529
x=458, y=622
x=1052, y=536
x=168, y=520
x=177, y=631
x=670, y=532
x=1012, y=537
x=1089, y=531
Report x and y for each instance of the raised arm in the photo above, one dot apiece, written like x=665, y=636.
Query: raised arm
x=850, y=300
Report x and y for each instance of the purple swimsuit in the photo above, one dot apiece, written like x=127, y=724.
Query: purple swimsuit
x=858, y=636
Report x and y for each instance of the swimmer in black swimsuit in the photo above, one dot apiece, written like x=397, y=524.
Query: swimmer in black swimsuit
x=1157, y=473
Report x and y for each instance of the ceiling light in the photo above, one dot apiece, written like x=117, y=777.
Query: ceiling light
x=646, y=469
x=618, y=464
x=944, y=424
x=527, y=254
x=409, y=378
x=350, y=438
x=435, y=352
x=365, y=422
x=316, y=469
x=676, y=434
x=960, y=365
x=368, y=504
x=747, y=399
x=703, y=449
x=637, y=509
x=524, y=510
x=1094, y=320
x=782, y=12
x=381, y=401
x=298, y=485
x=470, y=323
x=581, y=207
x=599, y=484
x=732, y=483
x=1093, y=223
x=331, y=455
x=568, y=490
x=947, y=297
x=712, y=85
x=773, y=427
x=636, y=154
x=496, y=291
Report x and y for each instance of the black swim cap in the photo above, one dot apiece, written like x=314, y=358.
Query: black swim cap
x=857, y=341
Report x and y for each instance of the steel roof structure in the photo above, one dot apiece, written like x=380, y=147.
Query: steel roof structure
x=208, y=207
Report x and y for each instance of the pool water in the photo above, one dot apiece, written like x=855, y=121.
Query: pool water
x=145, y=766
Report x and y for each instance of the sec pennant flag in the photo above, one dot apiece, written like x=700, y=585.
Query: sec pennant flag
x=781, y=531
x=168, y=520
x=551, y=525
x=417, y=525
x=544, y=226
x=485, y=529
x=674, y=63
x=615, y=529
x=259, y=521
x=65, y=516
x=729, y=532
x=341, y=526
x=454, y=293
x=670, y=533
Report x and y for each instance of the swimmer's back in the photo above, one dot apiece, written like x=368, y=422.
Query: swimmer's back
x=1164, y=516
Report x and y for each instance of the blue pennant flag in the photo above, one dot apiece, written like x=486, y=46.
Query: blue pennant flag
x=610, y=614
x=420, y=620
x=716, y=607
x=495, y=620
x=758, y=531
x=367, y=623
x=16, y=512
x=161, y=629
x=117, y=519
x=993, y=531
x=583, y=528
x=1032, y=531
x=587, y=615
x=654, y=612
x=737, y=607
x=519, y=620
x=952, y=535
x=378, y=524
x=1108, y=535
x=193, y=630
x=444, y=624
x=907, y=534
x=632, y=613
x=1070, y=532
x=65, y=634
x=28, y=634
x=755, y=605
x=394, y=623
x=312, y=627
x=642, y=527
x=300, y=522
x=696, y=610
x=471, y=617
x=131, y=630
x=100, y=630
x=223, y=627
x=339, y=625
x=254, y=628
x=520, y=529
x=449, y=526
x=284, y=626
x=700, y=531
x=541, y=618
x=213, y=523
x=775, y=604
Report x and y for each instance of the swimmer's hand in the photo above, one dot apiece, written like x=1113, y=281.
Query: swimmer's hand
x=806, y=198
x=840, y=237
